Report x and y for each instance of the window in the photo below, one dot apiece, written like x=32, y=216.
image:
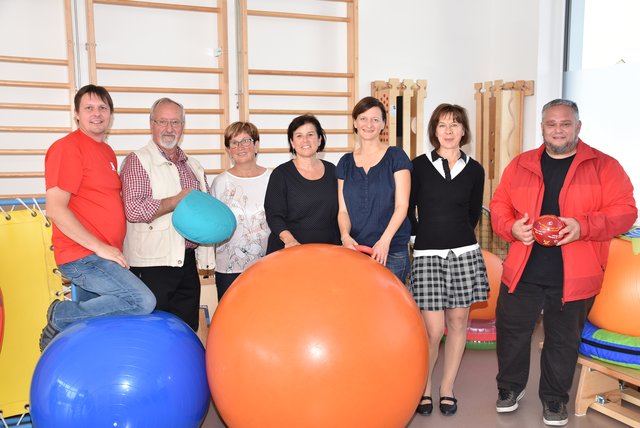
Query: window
x=601, y=74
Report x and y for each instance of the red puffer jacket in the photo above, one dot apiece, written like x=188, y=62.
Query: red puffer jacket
x=597, y=193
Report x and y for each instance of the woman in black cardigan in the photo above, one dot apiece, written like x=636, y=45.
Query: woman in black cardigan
x=301, y=203
x=448, y=272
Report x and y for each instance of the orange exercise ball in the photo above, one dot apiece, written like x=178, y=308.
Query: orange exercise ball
x=617, y=307
x=317, y=336
x=487, y=310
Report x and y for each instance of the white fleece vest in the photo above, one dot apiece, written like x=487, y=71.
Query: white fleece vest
x=158, y=243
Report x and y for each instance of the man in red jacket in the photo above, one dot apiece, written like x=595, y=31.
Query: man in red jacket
x=593, y=196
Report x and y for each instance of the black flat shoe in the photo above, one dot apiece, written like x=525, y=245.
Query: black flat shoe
x=448, y=409
x=427, y=408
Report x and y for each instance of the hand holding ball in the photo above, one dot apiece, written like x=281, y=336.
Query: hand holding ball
x=546, y=230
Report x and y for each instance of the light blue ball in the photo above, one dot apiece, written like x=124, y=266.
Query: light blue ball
x=201, y=218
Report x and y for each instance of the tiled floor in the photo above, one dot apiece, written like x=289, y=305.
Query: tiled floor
x=476, y=392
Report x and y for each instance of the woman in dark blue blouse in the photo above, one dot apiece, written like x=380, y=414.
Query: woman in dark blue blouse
x=373, y=191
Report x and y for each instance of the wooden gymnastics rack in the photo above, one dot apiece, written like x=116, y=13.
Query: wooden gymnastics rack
x=200, y=84
x=258, y=86
x=605, y=387
x=499, y=124
x=218, y=97
x=220, y=110
x=411, y=94
x=37, y=66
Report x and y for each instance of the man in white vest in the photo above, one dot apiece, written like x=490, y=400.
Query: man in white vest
x=155, y=179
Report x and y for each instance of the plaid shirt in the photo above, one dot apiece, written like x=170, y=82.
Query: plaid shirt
x=139, y=204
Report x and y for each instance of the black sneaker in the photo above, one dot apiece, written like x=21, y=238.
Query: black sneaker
x=508, y=400
x=554, y=413
x=49, y=331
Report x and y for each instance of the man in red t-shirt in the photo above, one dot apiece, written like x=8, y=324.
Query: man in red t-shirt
x=84, y=203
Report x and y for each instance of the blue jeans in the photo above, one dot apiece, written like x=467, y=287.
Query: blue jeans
x=117, y=291
x=398, y=263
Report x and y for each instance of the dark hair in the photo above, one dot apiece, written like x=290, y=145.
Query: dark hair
x=562, y=102
x=303, y=120
x=365, y=104
x=459, y=115
x=98, y=91
x=238, y=128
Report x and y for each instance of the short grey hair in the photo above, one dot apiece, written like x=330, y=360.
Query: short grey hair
x=162, y=101
x=562, y=102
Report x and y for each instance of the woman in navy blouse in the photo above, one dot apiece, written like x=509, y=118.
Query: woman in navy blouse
x=448, y=272
x=373, y=191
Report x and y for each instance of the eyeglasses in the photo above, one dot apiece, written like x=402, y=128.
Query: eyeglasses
x=164, y=123
x=245, y=142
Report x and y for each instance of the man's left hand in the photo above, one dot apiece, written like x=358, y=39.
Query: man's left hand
x=571, y=232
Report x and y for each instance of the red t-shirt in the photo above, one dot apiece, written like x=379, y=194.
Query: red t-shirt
x=88, y=170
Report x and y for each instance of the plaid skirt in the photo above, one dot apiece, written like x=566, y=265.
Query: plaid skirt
x=454, y=282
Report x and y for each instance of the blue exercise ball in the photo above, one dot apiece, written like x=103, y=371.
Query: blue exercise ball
x=201, y=218
x=122, y=371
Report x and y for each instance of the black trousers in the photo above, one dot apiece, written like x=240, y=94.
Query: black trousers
x=516, y=316
x=223, y=282
x=177, y=289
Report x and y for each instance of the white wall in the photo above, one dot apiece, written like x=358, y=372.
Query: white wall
x=452, y=44
x=456, y=44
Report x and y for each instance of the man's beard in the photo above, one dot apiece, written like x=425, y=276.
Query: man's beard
x=567, y=147
x=168, y=144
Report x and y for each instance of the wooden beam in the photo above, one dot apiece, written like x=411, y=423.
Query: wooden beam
x=298, y=73
x=32, y=84
x=163, y=68
x=21, y=129
x=300, y=112
x=271, y=14
x=284, y=131
x=146, y=131
x=157, y=5
x=187, y=111
x=298, y=93
x=33, y=60
x=25, y=106
x=156, y=90
x=21, y=174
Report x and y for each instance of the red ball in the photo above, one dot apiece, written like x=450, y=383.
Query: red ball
x=317, y=336
x=546, y=230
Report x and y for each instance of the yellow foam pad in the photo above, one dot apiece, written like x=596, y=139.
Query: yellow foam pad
x=29, y=284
